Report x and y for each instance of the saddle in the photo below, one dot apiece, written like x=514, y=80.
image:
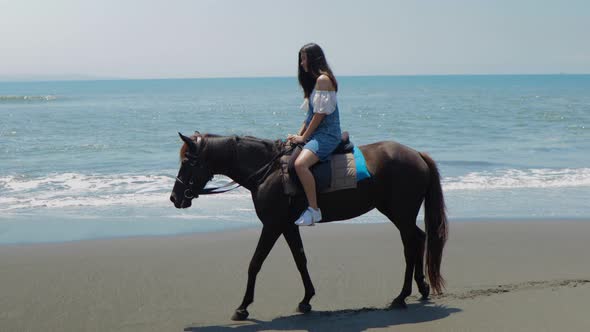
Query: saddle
x=337, y=173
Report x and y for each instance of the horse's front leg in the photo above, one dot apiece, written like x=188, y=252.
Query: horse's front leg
x=267, y=240
x=293, y=238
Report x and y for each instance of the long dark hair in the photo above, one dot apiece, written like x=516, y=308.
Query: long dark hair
x=317, y=65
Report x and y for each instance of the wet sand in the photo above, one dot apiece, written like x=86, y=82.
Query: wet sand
x=501, y=276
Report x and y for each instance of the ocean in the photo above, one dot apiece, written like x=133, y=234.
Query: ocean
x=97, y=159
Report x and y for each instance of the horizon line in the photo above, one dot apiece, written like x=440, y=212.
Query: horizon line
x=98, y=78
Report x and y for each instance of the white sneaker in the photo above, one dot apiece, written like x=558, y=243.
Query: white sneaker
x=309, y=217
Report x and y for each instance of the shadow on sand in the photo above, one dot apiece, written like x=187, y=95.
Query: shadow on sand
x=349, y=320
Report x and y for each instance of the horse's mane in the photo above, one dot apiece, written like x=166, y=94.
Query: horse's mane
x=278, y=144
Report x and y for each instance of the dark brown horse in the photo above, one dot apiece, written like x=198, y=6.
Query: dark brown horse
x=401, y=180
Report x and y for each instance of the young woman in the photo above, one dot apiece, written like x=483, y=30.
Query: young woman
x=321, y=129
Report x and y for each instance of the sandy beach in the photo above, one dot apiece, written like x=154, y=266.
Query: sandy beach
x=501, y=276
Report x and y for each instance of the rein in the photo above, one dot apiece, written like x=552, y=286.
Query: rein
x=267, y=166
x=188, y=193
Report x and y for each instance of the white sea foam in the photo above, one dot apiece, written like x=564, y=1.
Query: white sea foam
x=78, y=190
x=70, y=190
x=516, y=179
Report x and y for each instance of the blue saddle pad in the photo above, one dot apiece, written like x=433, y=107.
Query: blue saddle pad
x=361, y=166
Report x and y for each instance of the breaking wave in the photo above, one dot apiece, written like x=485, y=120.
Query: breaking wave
x=519, y=178
x=9, y=98
x=77, y=190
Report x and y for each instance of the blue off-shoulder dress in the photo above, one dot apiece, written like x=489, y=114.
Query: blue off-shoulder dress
x=326, y=137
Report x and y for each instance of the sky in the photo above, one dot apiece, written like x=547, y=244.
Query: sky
x=254, y=38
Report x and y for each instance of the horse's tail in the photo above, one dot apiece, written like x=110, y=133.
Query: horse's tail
x=435, y=219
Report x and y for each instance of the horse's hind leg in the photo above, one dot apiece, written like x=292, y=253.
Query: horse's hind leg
x=410, y=241
x=293, y=238
x=267, y=240
x=410, y=238
x=419, y=268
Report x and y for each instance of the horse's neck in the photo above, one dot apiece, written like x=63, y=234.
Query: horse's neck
x=239, y=157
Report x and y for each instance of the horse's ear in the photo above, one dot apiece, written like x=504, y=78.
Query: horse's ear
x=184, y=138
x=191, y=144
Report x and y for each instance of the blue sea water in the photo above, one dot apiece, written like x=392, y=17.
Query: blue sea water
x=92, y=159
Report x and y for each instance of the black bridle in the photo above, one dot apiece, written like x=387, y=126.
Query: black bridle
x=189, y=193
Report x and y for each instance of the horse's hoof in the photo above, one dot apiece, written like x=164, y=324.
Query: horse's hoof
x=304, y=308
x=240, y=314
x=425, y=291
x=398, y=304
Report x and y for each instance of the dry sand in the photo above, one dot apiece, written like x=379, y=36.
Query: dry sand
x=502, y=276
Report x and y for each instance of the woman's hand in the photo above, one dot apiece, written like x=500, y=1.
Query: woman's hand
x=296, y=139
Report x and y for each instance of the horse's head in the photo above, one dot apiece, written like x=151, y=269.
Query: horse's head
x=193, y=174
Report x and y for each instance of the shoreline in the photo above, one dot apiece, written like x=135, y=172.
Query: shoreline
x=238, y=226
x=500, y=276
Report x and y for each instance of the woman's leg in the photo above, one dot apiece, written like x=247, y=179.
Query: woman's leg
x=304, y=161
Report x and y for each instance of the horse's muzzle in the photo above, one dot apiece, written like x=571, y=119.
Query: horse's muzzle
x=180, y=204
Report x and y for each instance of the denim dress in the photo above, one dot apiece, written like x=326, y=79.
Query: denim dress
x=327, y=135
